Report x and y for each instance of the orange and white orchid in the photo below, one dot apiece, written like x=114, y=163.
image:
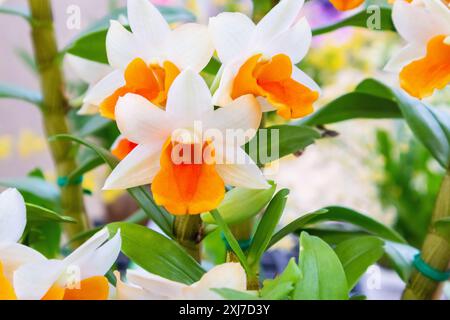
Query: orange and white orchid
x=260, y=59
x=148, y=59
x=79, y=276
x=195, y=183
x=142, y=285
x=27, y=274
x=424, y=63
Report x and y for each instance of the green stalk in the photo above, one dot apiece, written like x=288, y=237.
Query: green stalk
x=187, y=230
x=435, y=251
x=54, y=110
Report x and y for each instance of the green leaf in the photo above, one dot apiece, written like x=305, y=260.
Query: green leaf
x=355, y=105
x=401, y=257
x=10, y=92
x=339, y=214
x=231, y=294
x=212, y=67
x=44, y=237
x=141, y=194
x=282, y=286
x=156, y=253
x=241, y=204
x=323, y=277
x=358, y=254
x=442, y=227
x=231, y=240
x=266, y=227
x=86, y=166
x=35, y=190
x=361, y=19
x=287, y=139
x=261, y=8
x=37, y=213
x=91, y=45
x=93, y=125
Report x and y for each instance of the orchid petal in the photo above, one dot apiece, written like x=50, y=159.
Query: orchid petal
x=13, y=217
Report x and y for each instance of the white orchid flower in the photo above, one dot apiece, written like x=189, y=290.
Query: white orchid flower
x=27, y=274
x=142, y=285
x=424, y=63
x=13, y=220
x=148, y=59
x=260, y=59
x=194, y=182
x=80, y=276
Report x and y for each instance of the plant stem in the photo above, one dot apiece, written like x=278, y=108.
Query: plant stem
x=54, y=110
x=187, y=231
x=435, y=251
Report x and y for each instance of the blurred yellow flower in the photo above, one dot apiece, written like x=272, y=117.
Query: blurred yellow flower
x=5, y=146
x=30, y=143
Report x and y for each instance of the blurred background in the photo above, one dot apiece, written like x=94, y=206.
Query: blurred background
x=375, y=167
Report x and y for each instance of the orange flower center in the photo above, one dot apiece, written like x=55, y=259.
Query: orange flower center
x=150, y=81
x=6, y=288
x=123, y=148
x=421, y=77
x=188, y=182
x=344, y=5
x=272, y=79
x=94, y=288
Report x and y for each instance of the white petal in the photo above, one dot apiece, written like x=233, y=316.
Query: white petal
x=441, y=12
x=237, y=169
x=190, y=46
x=266, y=106
x=88, y=109
x=294, y=42
x=414, y=23
x=405, y=56
x=127, y=291
x=301, y=77
x=147, y=23
x=228, y=275
x=189, y=97
x=121, y=46
x=87, y=248
x=140, y=121
x=137, y=169
x=279, y=19
x=106, y=87
x=231, y=33
x=102, y=259
x=33, y=280
x=13, y=216
x=222, y=96
x=89, y=71
x=243, y=115
x=154, y=284
x=14, y=255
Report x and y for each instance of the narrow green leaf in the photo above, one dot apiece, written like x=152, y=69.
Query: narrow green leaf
x=361, y=19
x=37, y=213
x=339, y=214
x=16, y=12
x=231, y=240
x=44, y=237
x=276, y=142
x=87, y=165
x=358, y=254
x=10, y=92
x=323, y=277
x=93, y=125
x=401, y=257
x=35, y=190
x=266, y=227
x=241, y=204
x=283, y=285
x=156, y=253
x=141, y=194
